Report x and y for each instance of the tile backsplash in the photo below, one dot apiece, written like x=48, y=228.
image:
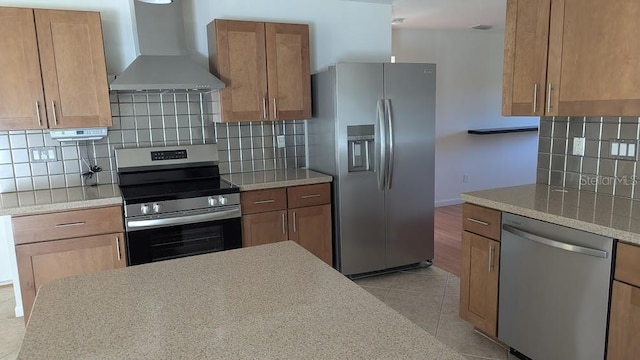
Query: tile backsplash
x=150, y=120
x=597, y=171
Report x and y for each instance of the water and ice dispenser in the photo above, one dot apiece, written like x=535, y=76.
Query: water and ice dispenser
x=361, y=146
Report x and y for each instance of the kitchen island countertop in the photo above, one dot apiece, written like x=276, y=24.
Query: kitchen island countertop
x=238, y=304
x=606, y=215
x=63, y=199
x=269, y=179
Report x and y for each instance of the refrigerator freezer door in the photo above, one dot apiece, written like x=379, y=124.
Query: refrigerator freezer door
x=410, y=111
x=360, y=204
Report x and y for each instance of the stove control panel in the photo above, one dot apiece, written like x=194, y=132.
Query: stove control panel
x=155, y=209
x=168, y=155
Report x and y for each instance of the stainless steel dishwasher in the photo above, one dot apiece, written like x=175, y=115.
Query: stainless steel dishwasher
x=554, y=290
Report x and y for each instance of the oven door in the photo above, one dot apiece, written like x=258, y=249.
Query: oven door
x=157, y=239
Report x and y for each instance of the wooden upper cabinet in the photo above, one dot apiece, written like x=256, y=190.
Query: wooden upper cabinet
x=571, y=58
x=288, y=71
x=53, y=70
x=241, y=65
x=73, y=68
x=593, y=58
x=265, y=67
x=21, y=97
x=525, y=57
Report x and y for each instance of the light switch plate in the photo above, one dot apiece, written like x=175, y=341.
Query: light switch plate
x=578, y=146
x=623, y=149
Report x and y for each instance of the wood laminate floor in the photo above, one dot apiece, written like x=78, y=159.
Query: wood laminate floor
x=448, y=238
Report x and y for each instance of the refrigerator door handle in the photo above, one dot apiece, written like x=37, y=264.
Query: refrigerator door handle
x=381, y=147
x=390, y=144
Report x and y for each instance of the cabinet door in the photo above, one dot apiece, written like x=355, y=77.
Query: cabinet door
x=311, y=228
x=624, y=322
x=22, y=98
x=39, y=263
x=73, y=66
x=264, y=228
x=479, y=282
x=288, y=71
x=525, y=57
x=242, y=66
x=593, y=61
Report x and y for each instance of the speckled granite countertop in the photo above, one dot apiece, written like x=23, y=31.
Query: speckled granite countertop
x=238, y=304
x=268, y=179
x=606, y=215
x=43, y=201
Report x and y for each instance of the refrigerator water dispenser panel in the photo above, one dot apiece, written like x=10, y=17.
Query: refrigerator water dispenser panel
x=361, y=144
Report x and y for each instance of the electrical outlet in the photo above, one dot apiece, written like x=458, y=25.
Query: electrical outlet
x=578, y=146
x=280, y=140
x=465, y=178
x=44, y=154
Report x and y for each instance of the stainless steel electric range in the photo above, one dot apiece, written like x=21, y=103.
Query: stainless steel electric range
x=176, y=204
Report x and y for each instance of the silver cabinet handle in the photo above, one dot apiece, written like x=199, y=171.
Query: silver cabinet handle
x=71, y=224
x=310, y=196
x=264, y=108
x=38, y=113
x=284, y=228
x=382, y=146
x=535, y=98
x=549, y=90
x=556, y=244
x=55, y=116
x=478, y=221
x=275, y=108
x=294, y=222
x=389, y=144
x=118, y=248
x=264, y=202
x=490, y=258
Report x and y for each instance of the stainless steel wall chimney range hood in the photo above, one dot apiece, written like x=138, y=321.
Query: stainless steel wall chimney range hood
x=162, y=64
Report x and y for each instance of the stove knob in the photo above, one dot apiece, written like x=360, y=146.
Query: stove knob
x=144, y=209
x=222, y=200
x=156, y=207
x=212, y=201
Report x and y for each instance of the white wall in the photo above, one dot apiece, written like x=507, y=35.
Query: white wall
x=469, y=90
x=6, y=270
x=340, y=30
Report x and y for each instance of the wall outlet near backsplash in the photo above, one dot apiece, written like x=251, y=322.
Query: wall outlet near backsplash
x=43, y=154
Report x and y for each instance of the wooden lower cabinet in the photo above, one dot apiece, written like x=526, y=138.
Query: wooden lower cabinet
x=624, y=322
x=479, y=282
x=264, y=228
x=298, y=213
x=39, y=263
x=311, y=228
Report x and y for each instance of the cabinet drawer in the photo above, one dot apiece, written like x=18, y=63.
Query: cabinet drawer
x=263, y=200
x=482, y=221
x=628, y=264
x=67, y=224
x=309, y=195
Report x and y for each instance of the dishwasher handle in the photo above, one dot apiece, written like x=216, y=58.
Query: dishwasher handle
x=556, y=244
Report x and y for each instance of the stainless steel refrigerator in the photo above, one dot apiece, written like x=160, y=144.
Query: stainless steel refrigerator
x=373, y=129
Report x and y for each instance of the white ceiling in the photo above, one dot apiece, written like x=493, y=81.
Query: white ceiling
x=447, y=14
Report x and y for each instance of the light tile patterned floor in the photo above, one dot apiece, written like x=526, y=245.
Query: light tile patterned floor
x=429, y=297
x=11, y=328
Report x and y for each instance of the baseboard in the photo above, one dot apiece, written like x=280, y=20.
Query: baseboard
x=6, y=283
x=448, y=202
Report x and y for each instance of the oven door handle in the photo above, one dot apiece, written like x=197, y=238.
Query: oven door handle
x=135, y=225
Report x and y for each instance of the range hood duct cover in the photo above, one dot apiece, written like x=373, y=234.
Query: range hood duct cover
x=163, y=64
